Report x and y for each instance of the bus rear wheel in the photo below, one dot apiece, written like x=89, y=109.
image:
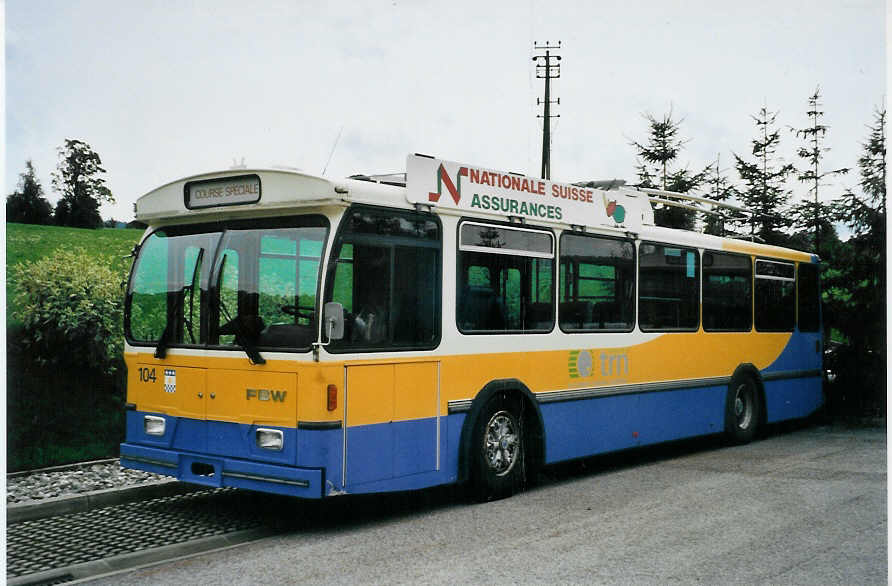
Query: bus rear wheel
x=498, y=450
x=743, y=410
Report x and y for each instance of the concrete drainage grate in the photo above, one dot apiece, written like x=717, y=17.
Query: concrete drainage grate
x=58, y=542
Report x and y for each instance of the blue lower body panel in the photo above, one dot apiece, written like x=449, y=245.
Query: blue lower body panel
x=399, y=455
x=576, y=429
x=219, y=471
x=406, y=455
x=792, y=398
x=219, y=453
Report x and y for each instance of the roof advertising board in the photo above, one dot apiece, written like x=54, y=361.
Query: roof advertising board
x=462, y=186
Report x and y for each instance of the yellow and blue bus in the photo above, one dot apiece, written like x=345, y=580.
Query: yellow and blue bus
x=313, y=337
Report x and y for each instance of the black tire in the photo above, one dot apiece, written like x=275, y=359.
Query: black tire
x=498, y=450
x=743, y=410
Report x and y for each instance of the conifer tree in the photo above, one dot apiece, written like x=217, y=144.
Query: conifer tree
x=855, y=282
x=720, y=189
x=811, y=212
x=866, y=215
x=656, y=158
x=27, y=204
x=765, y=177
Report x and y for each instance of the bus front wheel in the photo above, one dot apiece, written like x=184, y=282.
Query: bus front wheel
x=498, y=450
x=743, y=410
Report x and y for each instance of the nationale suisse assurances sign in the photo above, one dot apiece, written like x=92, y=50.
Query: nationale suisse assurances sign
x=449, y=184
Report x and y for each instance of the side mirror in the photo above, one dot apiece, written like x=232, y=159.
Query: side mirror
x=333, y=320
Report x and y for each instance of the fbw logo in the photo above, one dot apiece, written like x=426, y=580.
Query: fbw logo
x=444, y=179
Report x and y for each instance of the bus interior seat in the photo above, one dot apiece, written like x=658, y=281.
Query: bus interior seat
x=538, y=316
x=480, y=309
x=605, y=313
x=576, y=314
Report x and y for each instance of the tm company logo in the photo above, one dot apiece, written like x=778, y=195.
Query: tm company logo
x=584, y=364
x=453, y=188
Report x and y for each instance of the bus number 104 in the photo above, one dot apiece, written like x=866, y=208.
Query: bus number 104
x=146, y=375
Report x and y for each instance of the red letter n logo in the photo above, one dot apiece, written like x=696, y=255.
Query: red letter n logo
x=443, y=178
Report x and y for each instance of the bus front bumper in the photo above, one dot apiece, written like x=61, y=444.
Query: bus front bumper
x=219, y=472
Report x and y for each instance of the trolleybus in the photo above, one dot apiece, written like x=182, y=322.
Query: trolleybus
x=313, y=337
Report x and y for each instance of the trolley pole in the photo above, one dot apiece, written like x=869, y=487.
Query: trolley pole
x=548, y=67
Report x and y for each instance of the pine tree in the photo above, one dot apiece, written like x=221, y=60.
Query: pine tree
x=663, y=145
x=78, y=179
x=655, y=169
x=28, y=205
x=765, y=177
x=811, y=212
x=855, y=282
x=720, y=189
x=866, y=215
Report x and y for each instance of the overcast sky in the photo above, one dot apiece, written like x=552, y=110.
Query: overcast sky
x=162, y=90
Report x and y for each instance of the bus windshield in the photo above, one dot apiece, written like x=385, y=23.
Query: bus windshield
x=240, y=284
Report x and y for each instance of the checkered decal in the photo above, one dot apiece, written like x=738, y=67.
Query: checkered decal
x=170, y=380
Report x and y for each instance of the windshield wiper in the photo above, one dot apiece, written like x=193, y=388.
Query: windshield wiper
x=245, y=328
x=173, y=312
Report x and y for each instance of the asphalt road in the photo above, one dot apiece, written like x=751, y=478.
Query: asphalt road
x=806, y=506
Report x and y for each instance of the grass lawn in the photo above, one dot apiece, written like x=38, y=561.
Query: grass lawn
x=27, y=243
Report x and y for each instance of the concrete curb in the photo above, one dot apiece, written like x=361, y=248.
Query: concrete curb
x=63, y=505
x=61, y=467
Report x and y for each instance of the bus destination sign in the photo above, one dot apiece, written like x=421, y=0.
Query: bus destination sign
x=442, y=183
x=222, y=192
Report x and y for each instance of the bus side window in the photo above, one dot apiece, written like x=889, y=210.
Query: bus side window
x=775, y=302
x=809, y=297
x=387, y=277
x=505, y=279
x=727, y=292
x=670, y=287
x=597, y=284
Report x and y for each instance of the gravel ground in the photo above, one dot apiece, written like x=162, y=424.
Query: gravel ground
x=43, y=485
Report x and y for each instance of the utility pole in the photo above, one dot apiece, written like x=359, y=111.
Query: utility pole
x=548, y=67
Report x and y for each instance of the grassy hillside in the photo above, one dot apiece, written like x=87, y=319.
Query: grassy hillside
x=27, y=242
x=56, y=415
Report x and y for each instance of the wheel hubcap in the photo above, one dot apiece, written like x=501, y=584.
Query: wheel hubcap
x=743, y=406
x=501, y=443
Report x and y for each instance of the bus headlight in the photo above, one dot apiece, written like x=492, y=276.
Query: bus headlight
x=154, y=425
x=269, y=439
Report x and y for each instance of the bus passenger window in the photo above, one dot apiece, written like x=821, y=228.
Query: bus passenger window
x=809, y=294
x=386, y=274
x=670, y=287
x=775, y=304
x=727, y=292
x=597, y=284
x=505, y=280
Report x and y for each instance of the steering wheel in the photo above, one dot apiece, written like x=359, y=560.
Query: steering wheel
x=297, y=311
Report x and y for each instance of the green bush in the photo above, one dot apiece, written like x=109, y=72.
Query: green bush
x=70, y=305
